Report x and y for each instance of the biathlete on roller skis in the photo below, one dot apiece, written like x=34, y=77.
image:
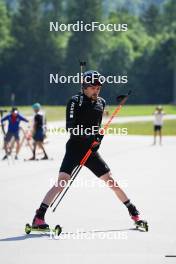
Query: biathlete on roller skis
x=85, y=110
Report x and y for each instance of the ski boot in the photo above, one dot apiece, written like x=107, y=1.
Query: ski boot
x=39, y=222
x=139, y=223
x=39, y=225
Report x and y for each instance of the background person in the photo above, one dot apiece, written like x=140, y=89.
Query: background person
x=38, y=131
x=14, y=119
x=158, y=123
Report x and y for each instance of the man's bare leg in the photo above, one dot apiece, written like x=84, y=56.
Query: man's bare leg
x=115, y=187
x=107, y=178
x=160, y=135
x=155, y=133
x=6, y=148
x=57, y=188
x=51, y=194
x=41, y=146
x=17, y=148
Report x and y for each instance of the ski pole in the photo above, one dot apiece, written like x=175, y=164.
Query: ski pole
x=82, y=64
x=72, y=175
x=89, y=152
x=75, y=173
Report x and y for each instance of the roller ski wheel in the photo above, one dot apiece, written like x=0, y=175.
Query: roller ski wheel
x=57, y=230
x=141, y=224
x=28, y=229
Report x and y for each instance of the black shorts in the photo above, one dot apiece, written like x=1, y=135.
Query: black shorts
x=38, y=135
x=157, y=128
x=11, y=135
x=75, y=151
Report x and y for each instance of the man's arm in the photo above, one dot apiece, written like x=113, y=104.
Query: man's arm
x=71, y=112
x=23, y=118
x=5, y=118
x=104, y=105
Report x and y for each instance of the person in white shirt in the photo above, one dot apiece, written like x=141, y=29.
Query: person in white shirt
x=158, y=123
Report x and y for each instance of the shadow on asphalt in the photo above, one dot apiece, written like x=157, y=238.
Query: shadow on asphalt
x=40, y=234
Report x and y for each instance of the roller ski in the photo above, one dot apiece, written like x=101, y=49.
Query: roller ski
x=134, y=213
x=39, y=225
x=56, y=231
x=142, y=225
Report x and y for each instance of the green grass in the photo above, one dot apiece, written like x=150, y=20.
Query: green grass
x=54, y=113
x=142, y=110
x=146, y=128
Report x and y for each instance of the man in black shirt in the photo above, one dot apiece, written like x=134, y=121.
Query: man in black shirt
x=38, y=131
x=83, y=120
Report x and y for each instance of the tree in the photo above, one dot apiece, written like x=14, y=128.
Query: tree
x=6, y=42
x=5, y=37
x=151, y=20
x=84, y=45
x=170, y=37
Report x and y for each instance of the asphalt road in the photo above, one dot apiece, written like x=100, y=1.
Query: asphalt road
x=96, y=226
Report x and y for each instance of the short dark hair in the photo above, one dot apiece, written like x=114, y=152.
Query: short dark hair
x=14, y=109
